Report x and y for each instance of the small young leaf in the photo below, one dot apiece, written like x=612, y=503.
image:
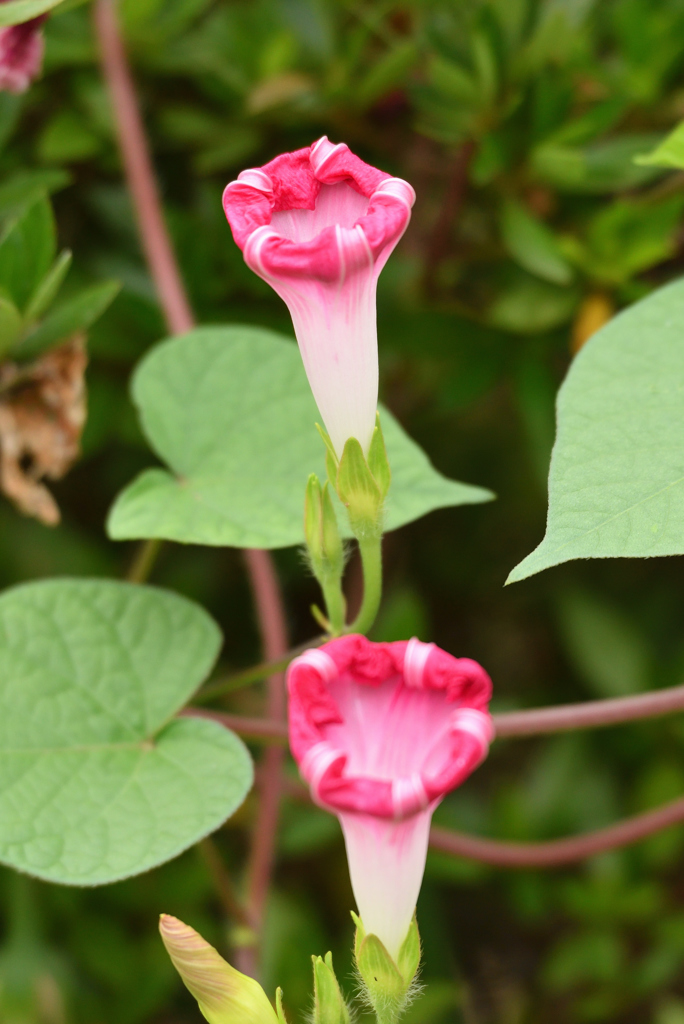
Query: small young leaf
x=24, y=188
x=27, y=249
x=47, y=289
x=10, y=325
x=75, y=315
x=533, y=245
x=668, y=153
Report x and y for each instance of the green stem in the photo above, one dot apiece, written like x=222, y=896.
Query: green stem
x=335, y=605
x=254, y=674
x=371, y=560
x=144, y=560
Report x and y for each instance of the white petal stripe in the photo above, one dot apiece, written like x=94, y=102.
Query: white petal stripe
x=475, y=722
x=415, y=660
x=318, y=162
x=316, y=762
x=253, y=247
x=408, y=795
x=398, y=189
x=256, y=178
x=320, y=661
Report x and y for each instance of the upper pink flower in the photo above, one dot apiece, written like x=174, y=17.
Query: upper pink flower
x=381, y=732
x=21, y=54
x=318, y=225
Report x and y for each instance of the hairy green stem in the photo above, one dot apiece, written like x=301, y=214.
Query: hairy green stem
x=335, y=605
x=370, y=549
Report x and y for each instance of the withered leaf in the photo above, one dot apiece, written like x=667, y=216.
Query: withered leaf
x=42, y=414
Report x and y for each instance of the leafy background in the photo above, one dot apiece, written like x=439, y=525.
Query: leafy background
x=517, y=122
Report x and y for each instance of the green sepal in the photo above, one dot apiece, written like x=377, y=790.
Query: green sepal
x=378, y=463
x=359, y=934
x=331, y=465
x=387, y=983
x=331, y=460
x=359, y=492
x=329, y=1004
x=384, y=985
x=329, y=447
x=408, y=960
x=280, y=1013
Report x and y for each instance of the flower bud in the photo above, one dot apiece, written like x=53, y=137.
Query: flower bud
x=326, y=552
x=21, y=54
x=329, y=1004
x=224, y=995
x=322, y=535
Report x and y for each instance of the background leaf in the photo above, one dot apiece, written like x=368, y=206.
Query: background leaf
x=230, y=411
x=72, y=316
x=27, y=249
x=96, y=781
x=616, y=484
x=13, y=12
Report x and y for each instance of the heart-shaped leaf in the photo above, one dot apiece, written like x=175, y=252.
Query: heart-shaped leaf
x=230, y=411
x=616, y=483
x=97, y=780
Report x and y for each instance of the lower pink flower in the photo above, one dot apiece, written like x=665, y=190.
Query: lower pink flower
x=381, y=732
x=21, y=54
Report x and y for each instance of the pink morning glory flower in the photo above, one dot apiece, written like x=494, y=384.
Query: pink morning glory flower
x=21, y=54
x=380, y=733
x=319, y=225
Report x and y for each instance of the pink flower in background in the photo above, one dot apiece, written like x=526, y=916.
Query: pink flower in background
x=381, y=732
x=319, y=225
x=21, y=54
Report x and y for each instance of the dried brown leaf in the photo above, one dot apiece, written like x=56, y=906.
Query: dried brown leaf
x=42, y=414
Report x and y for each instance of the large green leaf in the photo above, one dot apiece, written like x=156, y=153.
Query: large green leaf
x=97, y=781
x=13, y=12
x=229, y=410
x=616, y=483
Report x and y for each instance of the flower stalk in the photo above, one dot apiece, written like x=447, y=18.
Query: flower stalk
x=362, y=484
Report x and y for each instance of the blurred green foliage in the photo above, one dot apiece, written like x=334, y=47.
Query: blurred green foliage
x=517, y=122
